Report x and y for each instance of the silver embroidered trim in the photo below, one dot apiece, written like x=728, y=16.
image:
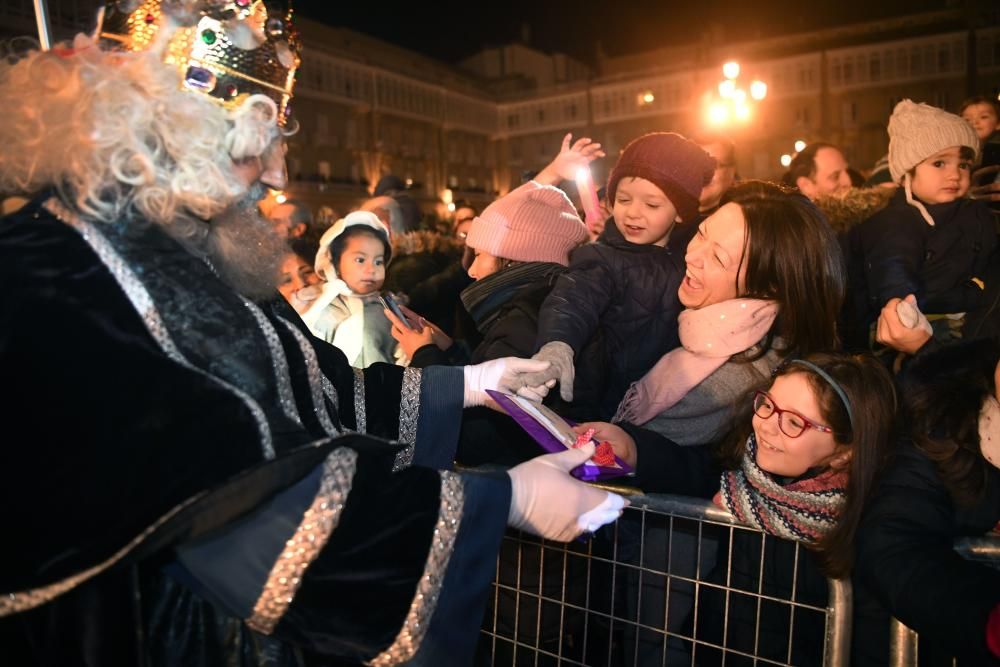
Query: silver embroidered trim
x=408, y=641
x=318, y=523
x=409, y=415
x=312, y=369
x=279, y=363
x=329, y=391
x=143, y=304
x=12, y=603
x=360, y=416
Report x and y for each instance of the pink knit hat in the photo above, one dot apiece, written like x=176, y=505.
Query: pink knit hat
x=534, y=223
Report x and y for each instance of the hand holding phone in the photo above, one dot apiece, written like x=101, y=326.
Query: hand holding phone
x=390, y=304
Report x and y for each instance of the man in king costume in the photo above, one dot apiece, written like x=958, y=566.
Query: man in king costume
x=198, y=480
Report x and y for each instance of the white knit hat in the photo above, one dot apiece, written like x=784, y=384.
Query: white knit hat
x=918, y=131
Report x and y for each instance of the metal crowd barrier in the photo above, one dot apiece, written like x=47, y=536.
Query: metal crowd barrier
x=904, y=643
x=675, y=581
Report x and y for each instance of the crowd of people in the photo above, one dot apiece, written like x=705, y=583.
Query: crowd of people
x=707, y=304
x=241, y=450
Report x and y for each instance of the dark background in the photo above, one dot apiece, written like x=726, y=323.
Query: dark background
x=452, y=30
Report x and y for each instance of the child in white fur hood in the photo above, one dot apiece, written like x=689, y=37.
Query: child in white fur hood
x=352, y=259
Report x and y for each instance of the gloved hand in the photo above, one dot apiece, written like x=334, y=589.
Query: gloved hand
x=505, y=375
x=560, y=356
x=548, y=502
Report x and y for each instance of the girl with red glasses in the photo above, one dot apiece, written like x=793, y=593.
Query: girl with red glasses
x=799, y=463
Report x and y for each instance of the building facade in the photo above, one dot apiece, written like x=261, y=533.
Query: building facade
x=366, y=108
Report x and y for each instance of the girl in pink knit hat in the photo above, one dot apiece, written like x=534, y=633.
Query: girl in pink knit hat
x=520, y=244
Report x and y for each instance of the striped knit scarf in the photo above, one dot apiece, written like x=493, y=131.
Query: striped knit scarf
x=804, y=510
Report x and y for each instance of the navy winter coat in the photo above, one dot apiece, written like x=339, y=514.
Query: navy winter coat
x=628, y=292
x=902, y=254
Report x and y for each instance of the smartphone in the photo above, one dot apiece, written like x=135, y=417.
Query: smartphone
x=391, y=305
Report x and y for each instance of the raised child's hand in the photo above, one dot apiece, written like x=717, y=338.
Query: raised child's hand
x=570, y=158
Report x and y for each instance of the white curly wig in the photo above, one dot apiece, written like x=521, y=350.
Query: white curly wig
x=118, y=138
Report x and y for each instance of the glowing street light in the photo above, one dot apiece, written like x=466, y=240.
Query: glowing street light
x=648, y=97
x=786, y=160
x=718, y=113
x=733, y=102
x=800, y=146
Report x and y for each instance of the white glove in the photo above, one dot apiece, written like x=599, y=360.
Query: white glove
x=560, y=355
x=548, y=502
x=503, y=375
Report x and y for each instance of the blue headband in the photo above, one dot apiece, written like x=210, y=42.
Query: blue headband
x=830, y=381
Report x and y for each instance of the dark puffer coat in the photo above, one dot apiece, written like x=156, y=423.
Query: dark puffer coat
x=901, y=254
x=626, y=291
x=906, y=566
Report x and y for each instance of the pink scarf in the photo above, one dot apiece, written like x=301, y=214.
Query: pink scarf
x=709, y=336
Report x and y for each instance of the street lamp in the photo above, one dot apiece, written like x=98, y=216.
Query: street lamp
x=787, y=158
x=733, y=101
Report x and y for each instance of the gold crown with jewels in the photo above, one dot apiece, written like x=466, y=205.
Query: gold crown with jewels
x=228, y=49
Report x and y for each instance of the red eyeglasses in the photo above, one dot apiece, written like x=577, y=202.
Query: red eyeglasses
x=790, y=422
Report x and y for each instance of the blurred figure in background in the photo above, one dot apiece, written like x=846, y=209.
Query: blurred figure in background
x=724, y=152
x=819, y=169
x=298, y=281
x=462, y=219
x=291, y=218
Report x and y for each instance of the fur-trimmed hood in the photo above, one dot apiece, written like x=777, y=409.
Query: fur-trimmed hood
x=420, y=241
x=855, y=207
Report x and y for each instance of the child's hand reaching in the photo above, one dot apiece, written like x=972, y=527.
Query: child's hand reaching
x=570, y=158
x=560, y=358
x=620, y=441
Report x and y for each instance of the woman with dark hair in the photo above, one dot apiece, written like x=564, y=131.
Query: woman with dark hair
x=764, y=281
x=942, y=484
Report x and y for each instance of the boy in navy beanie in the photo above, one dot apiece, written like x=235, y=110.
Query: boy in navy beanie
x=624, y=286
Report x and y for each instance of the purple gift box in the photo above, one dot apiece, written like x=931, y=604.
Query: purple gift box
x=588, y=472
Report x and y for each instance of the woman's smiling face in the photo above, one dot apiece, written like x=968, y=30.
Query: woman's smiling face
x=715, y=263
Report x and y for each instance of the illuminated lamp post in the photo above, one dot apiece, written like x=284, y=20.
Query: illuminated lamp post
x=733, y=103
x=786, y=159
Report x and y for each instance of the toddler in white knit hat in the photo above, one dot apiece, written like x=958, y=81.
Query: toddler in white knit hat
x=931, y=247
x=931, y=154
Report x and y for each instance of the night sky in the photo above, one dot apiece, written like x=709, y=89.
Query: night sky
x=451, y=30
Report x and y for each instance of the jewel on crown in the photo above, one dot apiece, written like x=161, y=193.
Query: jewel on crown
x=228, y=49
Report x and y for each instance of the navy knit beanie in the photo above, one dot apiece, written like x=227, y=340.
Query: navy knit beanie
x=679, y=167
